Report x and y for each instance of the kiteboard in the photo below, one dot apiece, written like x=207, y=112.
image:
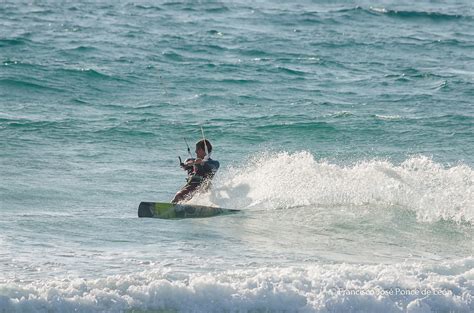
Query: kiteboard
x=175, y=211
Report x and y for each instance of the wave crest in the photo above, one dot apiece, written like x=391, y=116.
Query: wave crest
x=435, y=16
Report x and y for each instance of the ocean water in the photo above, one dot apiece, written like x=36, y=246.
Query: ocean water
x=345, y=132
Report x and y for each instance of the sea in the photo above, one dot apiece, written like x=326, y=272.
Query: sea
x=344, y=131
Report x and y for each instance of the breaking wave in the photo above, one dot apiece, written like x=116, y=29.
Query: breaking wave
x=317, y=288
x=284, y=180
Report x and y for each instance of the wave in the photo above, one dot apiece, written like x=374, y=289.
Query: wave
x=173, y=56
x=32, y=125
x=217, y=9
x=435, y=16
x=13, y=42
x=91, y=73
x=388, y=117
x=341, y=114
x=285, y=180
x=297, y=126
x=144, y=7
x=405, y=14
x=122, y=132
x=22, y=84
x=290, y=71
x=82, y=49
x=237, y=81
x=313, y=288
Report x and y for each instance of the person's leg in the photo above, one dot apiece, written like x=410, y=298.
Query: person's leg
x=185, y=193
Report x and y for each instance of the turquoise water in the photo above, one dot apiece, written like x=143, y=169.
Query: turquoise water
x=344, y=131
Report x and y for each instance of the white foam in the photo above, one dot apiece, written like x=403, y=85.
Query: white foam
x=284, y=180
x=388, y=117
x=448, y=286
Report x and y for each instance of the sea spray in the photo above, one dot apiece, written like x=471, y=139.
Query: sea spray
x=284, y=180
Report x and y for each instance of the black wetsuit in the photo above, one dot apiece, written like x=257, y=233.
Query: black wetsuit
x=199, y=178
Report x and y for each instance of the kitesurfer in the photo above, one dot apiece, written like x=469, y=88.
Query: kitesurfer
x=200, y=172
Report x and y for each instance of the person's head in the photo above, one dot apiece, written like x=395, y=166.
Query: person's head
x=200, y=149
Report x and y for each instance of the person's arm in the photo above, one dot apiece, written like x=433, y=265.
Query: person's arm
x=188, y=165
x=199, y=161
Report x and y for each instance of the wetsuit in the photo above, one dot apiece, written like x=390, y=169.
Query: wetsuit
x=199, y=179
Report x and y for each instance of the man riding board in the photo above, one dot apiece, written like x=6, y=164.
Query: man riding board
x=200, y=170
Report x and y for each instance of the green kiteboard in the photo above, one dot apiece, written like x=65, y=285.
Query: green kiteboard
x=176, y=211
